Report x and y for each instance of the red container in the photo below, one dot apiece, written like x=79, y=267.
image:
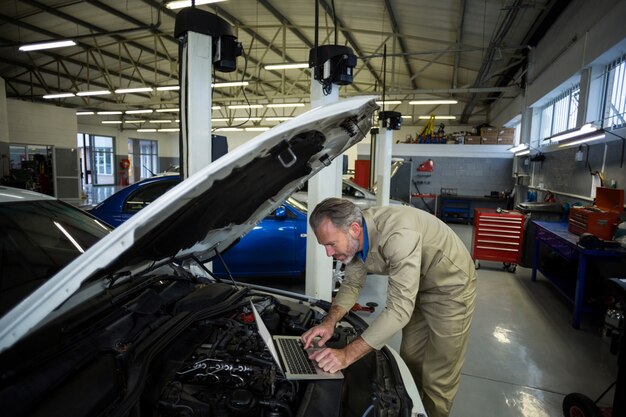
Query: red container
x=497, y=235
x=600, y=220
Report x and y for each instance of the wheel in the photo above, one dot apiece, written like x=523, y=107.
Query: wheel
x=509, y=267
x=579, y=405
x=477, y=264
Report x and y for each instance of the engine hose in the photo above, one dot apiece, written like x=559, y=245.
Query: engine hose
x=367, y=411
x=280, y=404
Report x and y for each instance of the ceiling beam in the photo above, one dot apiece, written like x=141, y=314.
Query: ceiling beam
x=403, y=49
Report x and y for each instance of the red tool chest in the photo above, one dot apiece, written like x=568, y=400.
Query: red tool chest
x=600, y=220
x=498, y=237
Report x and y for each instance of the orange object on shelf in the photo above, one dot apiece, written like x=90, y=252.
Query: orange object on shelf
x=600, y=220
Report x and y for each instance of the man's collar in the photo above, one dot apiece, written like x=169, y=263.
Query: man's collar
x=362, y=254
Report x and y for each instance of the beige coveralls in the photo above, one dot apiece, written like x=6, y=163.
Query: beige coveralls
x=430, y=296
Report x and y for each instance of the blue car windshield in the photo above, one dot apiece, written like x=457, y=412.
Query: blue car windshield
x=37, y=239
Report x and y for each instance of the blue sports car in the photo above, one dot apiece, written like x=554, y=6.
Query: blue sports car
x=275, y=247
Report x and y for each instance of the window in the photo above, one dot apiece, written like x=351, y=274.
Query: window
x=615, y=101
x=103, y=157
x=560, y=113
x=148, y=153
x=147, y=194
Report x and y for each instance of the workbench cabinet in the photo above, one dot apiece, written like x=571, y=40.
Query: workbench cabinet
x=498, y=237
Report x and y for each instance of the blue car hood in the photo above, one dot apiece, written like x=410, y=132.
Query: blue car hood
x=205, y=213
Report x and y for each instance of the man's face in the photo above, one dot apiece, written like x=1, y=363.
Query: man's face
x=339, y=244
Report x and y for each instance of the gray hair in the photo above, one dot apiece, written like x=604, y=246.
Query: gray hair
x=341, y=213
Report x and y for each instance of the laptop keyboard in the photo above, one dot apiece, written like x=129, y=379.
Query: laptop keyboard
x=296, y=358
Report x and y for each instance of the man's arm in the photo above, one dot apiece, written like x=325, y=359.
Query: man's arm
x=333, y=360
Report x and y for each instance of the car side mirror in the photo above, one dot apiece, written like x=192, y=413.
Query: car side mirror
x=280, y=213
x=358, y=194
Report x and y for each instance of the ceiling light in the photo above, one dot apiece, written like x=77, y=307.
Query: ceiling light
x=522, y=153
x=216, y=107
x=256, y=129
x=438, y=117
x=133, y=90
x=390, y=102
x=278, y=119
x=286, y=105
x=111, y=122
x=109, y=112
x=134, y=121
x=177, y=121
x=246, y=119
x=584, y=130
x=168, y=88
x=520, y=147
x=59, y=95
x=146, y=130
x=84, y=113
x=142, y=111
x=426, y=102
x=219, y=120
x=231, y=84
x=160, y=121
x=229, y=129
x=287, y=66
x=93, y=93
x=246, y=106
x=583, y=140
x=407, y=117
x=46, y=45
x=171, y=129
x=173, y=110
x=179, y=4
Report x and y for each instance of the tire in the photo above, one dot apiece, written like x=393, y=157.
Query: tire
x=579, y=405
x=477, y=264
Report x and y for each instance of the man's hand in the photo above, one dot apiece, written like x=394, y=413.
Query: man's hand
x=323, y=331
x=333, y=360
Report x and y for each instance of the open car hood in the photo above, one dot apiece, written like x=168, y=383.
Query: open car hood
x=208, y=211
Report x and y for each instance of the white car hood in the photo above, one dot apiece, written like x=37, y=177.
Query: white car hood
x=208, y=211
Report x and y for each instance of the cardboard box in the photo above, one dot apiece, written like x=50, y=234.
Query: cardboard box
x=505, y=140
x=490, y=133
x=472, y=140
x=488, y=140
x=506, y=132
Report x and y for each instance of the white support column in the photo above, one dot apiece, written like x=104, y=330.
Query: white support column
x=196, y=103
x=383, y=168
x=326, y=183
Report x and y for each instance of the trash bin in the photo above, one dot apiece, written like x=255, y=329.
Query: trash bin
x=536, y=210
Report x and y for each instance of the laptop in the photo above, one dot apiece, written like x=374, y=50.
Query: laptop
x=289, y=354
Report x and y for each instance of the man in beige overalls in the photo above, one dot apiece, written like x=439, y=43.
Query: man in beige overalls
x=430, y=296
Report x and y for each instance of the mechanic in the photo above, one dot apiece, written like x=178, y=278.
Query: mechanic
x=430, y=296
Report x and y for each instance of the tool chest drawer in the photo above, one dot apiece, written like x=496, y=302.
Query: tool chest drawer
x=497, y=235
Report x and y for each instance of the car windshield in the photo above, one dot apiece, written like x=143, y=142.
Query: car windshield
x=37, y=239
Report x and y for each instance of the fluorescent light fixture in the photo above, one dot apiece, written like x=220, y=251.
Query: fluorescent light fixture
x=93, y=93
x=522, y=153
x=256, y=129
x=230, y=84
x=134, y=121
x=109, y=112
x=171, y=129
x=295, y=65
x=229, y=129
x=407, y=117
x=168, y=88
x=585, y=129
x=84, y=113
x=133, y=90
x=146, y=130
x=179, y=4
x=428, y=102
x=582, y=140
x=284, y=105
x=177, y=121
x=59, y=95
x=247, y=119
x=111, y=122
x=219, y=120
x=172, y=110
x=246, y=106
x=160, y=121
x=278, y=119
x=438, y=117
x=216, y=107
x=520, y=147
x=46, y=45
x=142, y=111
x=390, y=102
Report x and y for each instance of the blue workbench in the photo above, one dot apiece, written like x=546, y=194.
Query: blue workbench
x=556, y=236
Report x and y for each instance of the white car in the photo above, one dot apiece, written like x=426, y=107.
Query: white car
x=138, y=326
